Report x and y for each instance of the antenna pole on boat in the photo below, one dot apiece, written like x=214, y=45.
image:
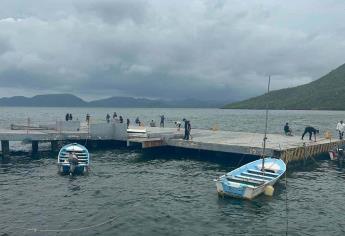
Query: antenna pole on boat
x=265, y=136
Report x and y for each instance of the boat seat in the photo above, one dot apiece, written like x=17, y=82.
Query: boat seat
x=239, y=178
x=250, y=178
x=260, y=172
x=258, y=176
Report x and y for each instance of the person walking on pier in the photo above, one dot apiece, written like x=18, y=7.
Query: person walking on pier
x=70, y=117
x=88, y=118
x=162, y=121
x=311, y=131
x=341, y=129
x=67, y=117
x=121, y=119
x=187, y=129
x=114, y=115
x=107, y=118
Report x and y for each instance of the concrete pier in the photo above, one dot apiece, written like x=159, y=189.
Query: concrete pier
x=5, y=148
x=288, y=148
x=34, y=145
x=54, y=146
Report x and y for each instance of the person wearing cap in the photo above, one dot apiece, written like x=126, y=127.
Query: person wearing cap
x=341, y=129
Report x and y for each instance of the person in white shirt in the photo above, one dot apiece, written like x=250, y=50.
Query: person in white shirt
x=341, y=129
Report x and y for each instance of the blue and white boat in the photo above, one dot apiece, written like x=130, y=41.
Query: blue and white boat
x=250, y=180
x=73, y=159
x=254, y=178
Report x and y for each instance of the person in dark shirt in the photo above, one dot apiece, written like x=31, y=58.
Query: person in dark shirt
x=121, y=119
x=311, y=131
x=88, y=118
x=128, y=122
x=189, y=129
x=162, y=121
x=287, y=129
x=185, y=128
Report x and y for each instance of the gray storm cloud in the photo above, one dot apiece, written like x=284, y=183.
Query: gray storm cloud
x=206, y=49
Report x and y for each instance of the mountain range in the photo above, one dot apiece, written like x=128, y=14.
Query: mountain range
x=325, y=93
x=69, y=100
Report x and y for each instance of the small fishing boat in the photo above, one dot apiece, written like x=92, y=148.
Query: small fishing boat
x=254, y=178
x=250, y=180
x=337, y=153
x=73, y=159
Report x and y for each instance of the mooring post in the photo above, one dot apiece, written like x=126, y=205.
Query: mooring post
x=91, y=144
x=304, y=154
x=54, y=146
x=5, y=148
x=34, y=147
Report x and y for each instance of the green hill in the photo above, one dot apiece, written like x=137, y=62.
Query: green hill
x=326, y=93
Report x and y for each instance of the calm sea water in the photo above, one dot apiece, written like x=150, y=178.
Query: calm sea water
x=138, y=193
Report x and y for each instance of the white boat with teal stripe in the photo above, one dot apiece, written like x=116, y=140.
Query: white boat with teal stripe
x=250, y=180
x=73, y=159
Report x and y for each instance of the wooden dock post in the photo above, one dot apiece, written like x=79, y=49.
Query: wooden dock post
x=5, y=148
x=54, y=146
x=34, y=147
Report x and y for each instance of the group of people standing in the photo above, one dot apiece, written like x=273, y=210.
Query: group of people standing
x=115, y=118
x=187, y=125
x=68, y=117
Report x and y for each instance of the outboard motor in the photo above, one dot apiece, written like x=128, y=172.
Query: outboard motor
x=341, y=155
x=73, y=161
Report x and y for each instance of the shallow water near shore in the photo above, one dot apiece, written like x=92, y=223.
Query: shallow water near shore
x=129, y=192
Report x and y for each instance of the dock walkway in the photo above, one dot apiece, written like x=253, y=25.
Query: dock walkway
x=289, y=148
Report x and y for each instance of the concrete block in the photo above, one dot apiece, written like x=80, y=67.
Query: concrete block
x=102, y=131
x=120, y=131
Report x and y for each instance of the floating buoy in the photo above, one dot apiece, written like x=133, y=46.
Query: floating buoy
x=269, y=190
x=328, y=135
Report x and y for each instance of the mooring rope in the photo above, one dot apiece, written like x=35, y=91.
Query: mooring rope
x=71, y=230
x=286, y=205
x=286, y=198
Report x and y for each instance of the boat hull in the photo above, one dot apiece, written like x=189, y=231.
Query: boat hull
x=79, y=170
x=337, y=154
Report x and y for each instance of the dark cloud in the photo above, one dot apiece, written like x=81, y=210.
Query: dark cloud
x=115, y=11
x=209, y=49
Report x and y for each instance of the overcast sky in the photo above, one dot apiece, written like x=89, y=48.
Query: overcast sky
x=173, y=49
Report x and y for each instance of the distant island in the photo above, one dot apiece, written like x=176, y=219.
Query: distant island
x=326, y=93
x=69, y=100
